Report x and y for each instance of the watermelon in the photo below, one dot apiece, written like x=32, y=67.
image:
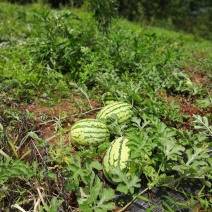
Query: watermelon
x=109, y=98
x=122, y=110
x=118, y=155
x=89, y=132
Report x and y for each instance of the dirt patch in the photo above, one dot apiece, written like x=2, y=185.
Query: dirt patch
x=63, y=114
x=70, y=108
x=187, y=108
x=197, y=77
x=187, y=104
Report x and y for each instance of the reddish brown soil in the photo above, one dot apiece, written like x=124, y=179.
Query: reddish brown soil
x=188, y=108
x=198, y=77
x=45, y=122
x=68, y=107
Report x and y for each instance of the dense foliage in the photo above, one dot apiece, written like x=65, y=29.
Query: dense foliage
x=188, y=15
x=191, y=16
x=56, y=67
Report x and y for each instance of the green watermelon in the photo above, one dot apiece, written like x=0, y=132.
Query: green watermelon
x=122, y=110
x=89, y=132
x=118, y=155
x=108, y=98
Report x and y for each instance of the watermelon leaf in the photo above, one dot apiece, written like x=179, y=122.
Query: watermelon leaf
x=15, y=168
x=156, y=179
x=95, y=189
x=53, y=205
x=202, y=123
x=126, y=183
x=114, y=127
x=80, y=171
x=96, y=165
x=102, y=147
x=196, y=164
x=105, y=196
x=171, y=148
x=198, y=154
x=98, y=198
x=140, y=144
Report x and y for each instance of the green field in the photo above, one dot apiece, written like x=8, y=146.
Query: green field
x=58, y=67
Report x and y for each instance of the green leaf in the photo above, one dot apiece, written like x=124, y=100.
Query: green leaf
x=170, y=199
x=40, y=141
x=140, y=144
x=126, y=184
x=142, y=197
x=96, y=165
x=201, y=123
x=85, y=208
x=183, y=205
x=102, y=147
x=198, y=154
x=151, y=208
x=82, y=194
x=197, y=164
x=97, y=198
x=162, y=131
x=205, y=102
x=167, y=206
x=16, y=168
x=79, y=171
x=53, y=205
x=171, y=148
x=95, y=190
x=105, y=196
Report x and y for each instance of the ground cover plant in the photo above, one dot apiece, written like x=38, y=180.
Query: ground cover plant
x=61, y=66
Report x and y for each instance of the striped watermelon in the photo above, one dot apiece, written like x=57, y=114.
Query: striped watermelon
x=89, y=132
x=108, y=98
x=118, y=155
x=122, y=110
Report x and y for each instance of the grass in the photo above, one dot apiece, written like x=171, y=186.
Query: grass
x=56, y=68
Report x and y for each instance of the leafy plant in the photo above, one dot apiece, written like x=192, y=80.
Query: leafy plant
x=202, y=124
x=98, y=198
x=53, y=205
x=104, y=12
x=126, y=184
x=206, y=102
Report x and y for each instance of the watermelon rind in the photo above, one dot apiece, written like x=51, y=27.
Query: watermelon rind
x=88, y=132
x=123, y=111
x=118, y=155
x=108, y=98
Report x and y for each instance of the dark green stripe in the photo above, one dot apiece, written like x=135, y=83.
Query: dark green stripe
x=120, y=150
x=109, y=154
